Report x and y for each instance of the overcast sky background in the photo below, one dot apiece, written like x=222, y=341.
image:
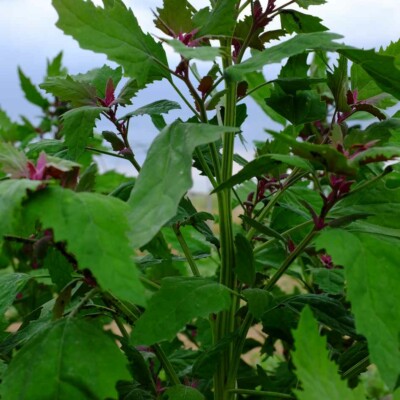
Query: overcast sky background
x=28, y=37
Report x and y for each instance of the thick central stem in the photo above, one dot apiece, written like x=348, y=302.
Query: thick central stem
x=225, y=323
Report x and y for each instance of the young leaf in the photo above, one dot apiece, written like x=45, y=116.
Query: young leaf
x=114, y=31
x=13, y=161
x=181, y=392
x=275, y=54
x=10, y=286
x=78, y=126
x=54, y=67
x=165, y=177
x=311, y=359
x=31, y=92
x=371, y=268
x=99, y=77
x=177, y=302
x=57, y=374
x=82, y=220
x=338, y=82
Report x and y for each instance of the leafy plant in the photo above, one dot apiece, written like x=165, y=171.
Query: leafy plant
x=120, y=288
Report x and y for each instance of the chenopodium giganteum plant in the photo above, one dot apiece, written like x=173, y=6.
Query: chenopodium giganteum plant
x=117, y=288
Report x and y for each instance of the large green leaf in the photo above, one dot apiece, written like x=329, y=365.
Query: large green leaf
x=155, y=108
x=95, y=229
x=372, y=274
x=31, y=92
x=204, y=53
x=181, y=392
x=174, y=17
x=13, y=162
x=165, y=177
x=275, y=54
x=177, y=302
x=295, y=21
x=12, y=193
x=114, y=31
x=10, y=286
x=380, y=67
x=78, y=126
x=318, y=375
x=221, y=20
x=71, y=359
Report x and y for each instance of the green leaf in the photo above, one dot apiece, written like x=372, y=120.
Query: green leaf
x=244, y=262
x=177, y=302
x=275, y=54
x=99, y=77
x=329, y=280
x=156, y=108
x=258, y=301
x=203, y=53
x=295, y=21
x=307, y=3
x=115, y=32
x=83, y=221
x=221, y=20
x=254, y=80
x=78, y=126
x=12, y=161
x=299, y=108
x=321, y=155
x=380, y=68
x=13, y=192
x=174, y=17
x=54, y=67
x=311, y=359
x=372, y=275
x=57, y=374
x=68, y=89
x=128, y=91
x=338, y=82
x=181, y=392
x=31, y=92
x=10, y=286
x=60, y=269
x=165, y=177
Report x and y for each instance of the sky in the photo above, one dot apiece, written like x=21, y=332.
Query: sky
x=28, y=37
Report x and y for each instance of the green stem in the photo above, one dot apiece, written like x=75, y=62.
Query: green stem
x=206, y=168
x=167, y=366
x=84, y=300
x=356, y=369
x=108, y=153
x=262, y=394
x=181, y=95
x=186, y=251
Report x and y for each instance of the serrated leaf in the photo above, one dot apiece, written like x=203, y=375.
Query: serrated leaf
x=181, y=392
x=311, y=359
x=174, y=17
x=329, y=280
x=10, y=286
x=375, y=154
x=114, y=31
x=31, y=92
x=55, y=351
x=13, y=192
x=203, y=53
x=338, y=82
x=372, y=275
x=177, y=302
x=295, y=21
x=78, y=125
x=12, y=161
x=379, y=67
x=82, y=220
x=221, y=20
x=244, y=261
x=54, y=67
x=156, y=108
x=128, y=91
x=275, y=54
x=99, y=77
x=68, y=89
x=165, y=177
